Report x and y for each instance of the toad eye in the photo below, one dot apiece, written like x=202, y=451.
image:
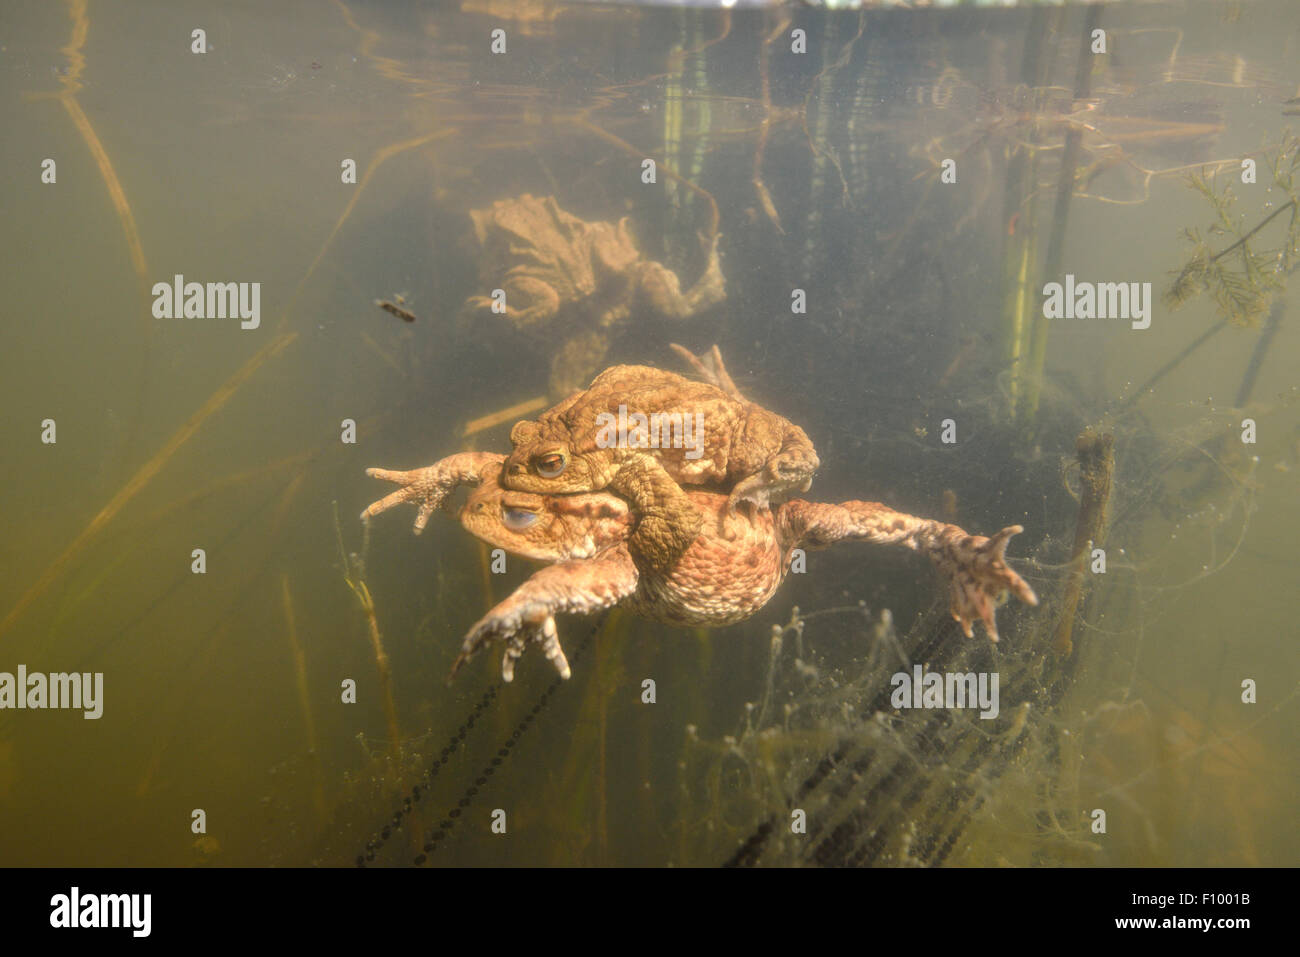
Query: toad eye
x=551, y=464
x=517, y=519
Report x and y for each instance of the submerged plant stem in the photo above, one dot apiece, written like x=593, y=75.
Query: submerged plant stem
x=1171, y=365
x=145, y=475
x=304, y=700
x=354, y=576
x=1266, y=337
x=1096, y=464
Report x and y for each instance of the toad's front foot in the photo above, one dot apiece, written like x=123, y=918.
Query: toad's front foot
x=524, y=624
x=429, y=487
x=978, y=575
x=527, y=616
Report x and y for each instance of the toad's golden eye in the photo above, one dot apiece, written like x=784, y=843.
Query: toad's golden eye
x=517, y=519
x=551, y=464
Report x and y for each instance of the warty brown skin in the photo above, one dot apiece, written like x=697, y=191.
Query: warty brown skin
x=759, y=455
x=731, y=570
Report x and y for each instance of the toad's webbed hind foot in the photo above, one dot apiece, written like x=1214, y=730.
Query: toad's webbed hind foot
x=978, y=575
x=788, y=473
x=709, y=367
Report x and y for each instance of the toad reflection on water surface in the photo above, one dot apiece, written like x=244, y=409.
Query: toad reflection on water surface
x=570, y=283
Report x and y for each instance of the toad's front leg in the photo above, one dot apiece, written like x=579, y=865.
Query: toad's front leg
x=429, y=487
x=528, y=615
x=667, y=520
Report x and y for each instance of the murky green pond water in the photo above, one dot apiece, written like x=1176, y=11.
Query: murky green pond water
x=892, y=193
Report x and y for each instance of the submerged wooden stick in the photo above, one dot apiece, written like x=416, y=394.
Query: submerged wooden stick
x=504, y=415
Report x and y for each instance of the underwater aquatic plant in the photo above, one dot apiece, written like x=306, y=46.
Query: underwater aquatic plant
x=1245, y=276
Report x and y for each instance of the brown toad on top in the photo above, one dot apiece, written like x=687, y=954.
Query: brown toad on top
x=575, y=281
x=728, y=573
x=640, y=431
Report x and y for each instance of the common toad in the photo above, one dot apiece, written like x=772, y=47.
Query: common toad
x=640, y=431
x=729, y=572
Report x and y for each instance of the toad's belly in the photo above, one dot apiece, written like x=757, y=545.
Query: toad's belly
x=715, y=583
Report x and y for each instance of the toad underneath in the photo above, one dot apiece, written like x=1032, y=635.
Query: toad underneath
x=571, y=283
x=729, y=572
